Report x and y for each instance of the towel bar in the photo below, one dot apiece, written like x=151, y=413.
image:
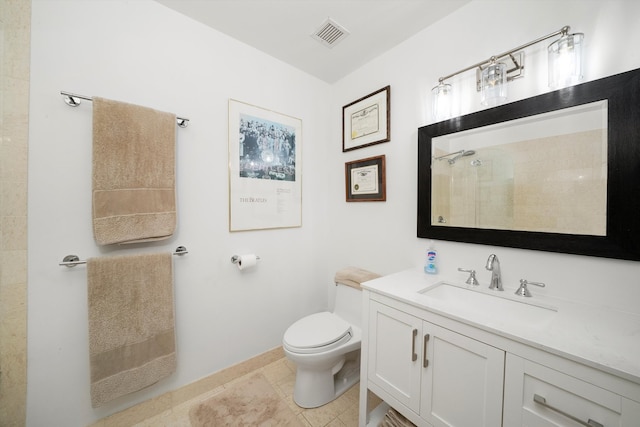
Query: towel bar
x=71, y=101
x=73, y=260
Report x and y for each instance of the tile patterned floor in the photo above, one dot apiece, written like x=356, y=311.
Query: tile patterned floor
x=342, y=412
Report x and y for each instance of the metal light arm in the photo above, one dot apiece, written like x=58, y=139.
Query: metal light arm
x=563, y=31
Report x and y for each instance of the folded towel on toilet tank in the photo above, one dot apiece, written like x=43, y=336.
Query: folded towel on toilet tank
x=354, y=276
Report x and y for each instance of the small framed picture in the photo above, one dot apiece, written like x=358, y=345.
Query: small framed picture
x=365, y=180
x=367, y=121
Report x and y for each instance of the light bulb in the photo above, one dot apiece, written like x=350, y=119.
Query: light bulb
x=493, y=84
x=441, y=101
x=565, y=61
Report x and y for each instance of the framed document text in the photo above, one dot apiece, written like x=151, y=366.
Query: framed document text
x=365, y=180
x=265, y=172
x=367, y=121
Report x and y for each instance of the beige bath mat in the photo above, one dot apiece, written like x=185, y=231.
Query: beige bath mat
x=253, y=402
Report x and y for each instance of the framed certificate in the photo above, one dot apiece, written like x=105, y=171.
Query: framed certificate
x=365, y=180
x=367, y=121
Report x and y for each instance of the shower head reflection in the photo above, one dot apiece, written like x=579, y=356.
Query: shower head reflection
x=462, y=153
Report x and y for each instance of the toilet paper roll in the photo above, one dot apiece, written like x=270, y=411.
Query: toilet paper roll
x=247, y=261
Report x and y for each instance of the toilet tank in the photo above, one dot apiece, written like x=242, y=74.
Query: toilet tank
x=348, y=304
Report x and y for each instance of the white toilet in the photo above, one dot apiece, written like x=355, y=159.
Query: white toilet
x=326, y=350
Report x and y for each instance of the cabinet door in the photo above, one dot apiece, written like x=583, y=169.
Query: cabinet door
x=536, y=395
x=395, y=353
x=462, y=381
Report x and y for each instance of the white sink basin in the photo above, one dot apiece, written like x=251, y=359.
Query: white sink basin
x=490, y=305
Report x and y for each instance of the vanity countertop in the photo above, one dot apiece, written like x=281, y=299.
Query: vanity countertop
x=599, y=337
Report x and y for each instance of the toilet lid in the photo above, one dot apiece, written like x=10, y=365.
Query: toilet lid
x=317, y=331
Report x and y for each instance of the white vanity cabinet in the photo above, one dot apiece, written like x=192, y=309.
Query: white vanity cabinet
x=444, y=367
x=442, y=377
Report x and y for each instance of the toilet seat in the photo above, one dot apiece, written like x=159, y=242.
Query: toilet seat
x=317, y=333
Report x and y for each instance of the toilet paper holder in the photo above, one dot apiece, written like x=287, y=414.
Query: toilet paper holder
x=236, y=258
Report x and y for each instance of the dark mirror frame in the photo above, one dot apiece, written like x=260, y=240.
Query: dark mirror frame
x=622, y=241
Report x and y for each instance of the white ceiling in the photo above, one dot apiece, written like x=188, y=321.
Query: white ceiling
x=283, y=28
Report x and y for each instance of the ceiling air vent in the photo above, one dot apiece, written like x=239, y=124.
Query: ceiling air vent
x=330, y=33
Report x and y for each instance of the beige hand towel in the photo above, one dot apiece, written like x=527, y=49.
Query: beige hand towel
x=133, y=173
x=354, y=276
x=131, y=323
x=397, y=419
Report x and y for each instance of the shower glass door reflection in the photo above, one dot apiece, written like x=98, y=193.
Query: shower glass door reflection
x=475, y=190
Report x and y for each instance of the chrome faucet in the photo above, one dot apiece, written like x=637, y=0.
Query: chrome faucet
x=493, y=265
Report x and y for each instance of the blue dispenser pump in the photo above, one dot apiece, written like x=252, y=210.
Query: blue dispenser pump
x=430, y=266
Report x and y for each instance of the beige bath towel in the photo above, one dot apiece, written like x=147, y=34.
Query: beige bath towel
x=133, y=173
x=393, y=418
x=131, y=323
x=398, y=420
x=354, y=276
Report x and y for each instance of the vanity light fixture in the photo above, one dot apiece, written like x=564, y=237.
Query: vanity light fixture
x=442, y=101
x=565, y=60
x=492, y=75
x=493, y=83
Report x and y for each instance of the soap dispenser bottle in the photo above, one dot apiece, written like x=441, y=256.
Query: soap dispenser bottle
x=430, y=267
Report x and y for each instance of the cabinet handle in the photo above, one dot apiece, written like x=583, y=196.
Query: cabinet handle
x=542, y=401
x=425, y=361
x=414, y=355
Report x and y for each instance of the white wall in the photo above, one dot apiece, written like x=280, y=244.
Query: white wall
x=381, y=236
x=140, y=52
x=143, y=53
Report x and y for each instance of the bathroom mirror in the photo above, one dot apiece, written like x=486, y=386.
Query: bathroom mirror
x=557, y=172
x=546, y=172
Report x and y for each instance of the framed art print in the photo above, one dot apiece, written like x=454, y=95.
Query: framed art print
x=265, y=173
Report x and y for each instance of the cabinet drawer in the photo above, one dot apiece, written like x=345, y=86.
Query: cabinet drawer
x=551, y=398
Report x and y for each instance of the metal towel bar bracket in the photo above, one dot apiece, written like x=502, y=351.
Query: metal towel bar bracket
x=73, y=100
x=73, y=260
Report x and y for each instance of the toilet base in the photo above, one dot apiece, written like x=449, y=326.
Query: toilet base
x=315, y=388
